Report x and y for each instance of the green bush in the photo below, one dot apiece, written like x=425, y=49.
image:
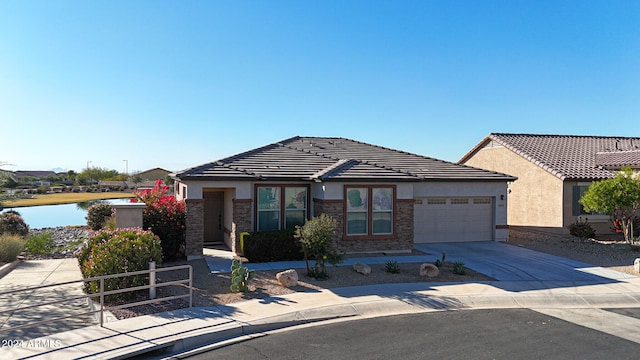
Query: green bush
x=392, y=267
x=582, y=229
x=38, y=244
x=316, y=237
x=98, y=214
x=11, y=223
x=459, y=268
x=272, y=245
x=115, y=252
x=10, y=247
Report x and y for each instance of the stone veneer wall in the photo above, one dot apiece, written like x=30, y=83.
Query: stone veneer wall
x=403, y=241
x=242, y=219
x=194, y=241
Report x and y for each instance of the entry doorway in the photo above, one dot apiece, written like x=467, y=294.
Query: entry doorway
x=213, y=218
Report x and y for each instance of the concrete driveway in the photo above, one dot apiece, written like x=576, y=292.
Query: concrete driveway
x=512, y=263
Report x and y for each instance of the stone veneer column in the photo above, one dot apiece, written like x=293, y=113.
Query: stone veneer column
x=242, y=219
x=194, y=241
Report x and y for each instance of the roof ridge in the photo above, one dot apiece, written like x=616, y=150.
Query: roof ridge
x=567, y=135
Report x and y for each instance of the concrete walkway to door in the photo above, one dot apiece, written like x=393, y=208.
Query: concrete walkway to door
x=509, y=264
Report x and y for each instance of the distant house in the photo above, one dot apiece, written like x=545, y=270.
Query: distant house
x=153, y=174
x=382, y=199
x=553, y=173
x=21, y=174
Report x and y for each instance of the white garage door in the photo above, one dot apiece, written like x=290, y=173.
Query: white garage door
x=453, y=219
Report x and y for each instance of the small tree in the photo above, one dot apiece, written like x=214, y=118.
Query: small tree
x=316, y=237
x=618, y=197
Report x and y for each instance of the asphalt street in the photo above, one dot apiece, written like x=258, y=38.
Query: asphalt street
x=468, y=334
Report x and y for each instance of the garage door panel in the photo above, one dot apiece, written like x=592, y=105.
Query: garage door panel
x=453, y=219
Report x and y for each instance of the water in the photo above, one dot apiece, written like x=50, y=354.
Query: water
x=46, y=216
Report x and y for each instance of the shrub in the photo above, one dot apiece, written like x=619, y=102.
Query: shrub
x=98, y=214
x=115, y=252
x=440, y=262
x=392, y=267
x=10, y=247
x=273, y=245
x=582, y=229
x=459, y=268
x=11, y=223
x=316, y=237
x=38, y=244
x=165, y=217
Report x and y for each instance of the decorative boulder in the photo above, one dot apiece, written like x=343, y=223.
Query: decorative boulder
x=429, y=270
x=636, y=265
x=361, y=268
x=287, y=278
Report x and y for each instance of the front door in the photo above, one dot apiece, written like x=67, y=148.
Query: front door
x=213, y=217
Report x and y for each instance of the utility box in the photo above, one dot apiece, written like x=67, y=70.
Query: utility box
x=129, y=215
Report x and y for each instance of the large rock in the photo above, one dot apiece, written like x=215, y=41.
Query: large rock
x=636, y=265
x=429, y=270
x=361, y=268
x=287, y=278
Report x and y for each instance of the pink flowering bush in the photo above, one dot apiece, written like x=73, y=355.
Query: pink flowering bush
x=119, y=251
x=165, y=217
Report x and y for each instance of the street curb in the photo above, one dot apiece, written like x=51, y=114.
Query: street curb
x=6, y=268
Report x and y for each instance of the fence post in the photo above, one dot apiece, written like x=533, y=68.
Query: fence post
x=152, y=280
x=101, y=301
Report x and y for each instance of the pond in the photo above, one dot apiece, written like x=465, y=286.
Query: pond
x=45, y=216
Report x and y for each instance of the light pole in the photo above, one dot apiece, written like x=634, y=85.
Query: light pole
x=89, y=173
x=88, y=162
x=126, y=167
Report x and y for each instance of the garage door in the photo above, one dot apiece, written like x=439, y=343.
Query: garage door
x=453, y=219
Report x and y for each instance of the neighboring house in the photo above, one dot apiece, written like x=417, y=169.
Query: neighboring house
x=553, y=173
x=21, y=174
x=382, y=199
x=153, y=174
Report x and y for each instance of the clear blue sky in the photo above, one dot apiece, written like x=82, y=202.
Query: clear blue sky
x=175, y=84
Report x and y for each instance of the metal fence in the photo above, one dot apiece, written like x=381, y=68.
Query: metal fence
x=101, y=295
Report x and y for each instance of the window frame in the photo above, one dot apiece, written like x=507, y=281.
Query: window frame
x=369, y=212
x=282, y=211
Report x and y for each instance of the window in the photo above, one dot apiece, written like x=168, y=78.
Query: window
x=577, y=208
x=369, y=210
x=281, y=207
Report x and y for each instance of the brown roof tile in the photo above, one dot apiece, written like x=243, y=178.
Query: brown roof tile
x=325, y=159
x=568, y=156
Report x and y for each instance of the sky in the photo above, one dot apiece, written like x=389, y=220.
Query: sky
x=134, y=85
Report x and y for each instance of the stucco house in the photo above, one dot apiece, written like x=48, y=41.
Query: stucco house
x=382, y=199
x=553, y=173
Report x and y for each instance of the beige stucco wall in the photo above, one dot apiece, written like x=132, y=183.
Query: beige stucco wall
x=536, y=198
x=600, y=223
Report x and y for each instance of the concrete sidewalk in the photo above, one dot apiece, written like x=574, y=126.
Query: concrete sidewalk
x=188, y=328
x=41, y=272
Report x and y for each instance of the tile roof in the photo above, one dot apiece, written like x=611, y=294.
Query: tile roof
x=569, y=156
x=340, y=159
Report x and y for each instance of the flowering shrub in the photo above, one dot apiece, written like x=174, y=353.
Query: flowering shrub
x=119, y=251
x=633, y=222
x=98, y=214
x=11, y=223
x=165, y=217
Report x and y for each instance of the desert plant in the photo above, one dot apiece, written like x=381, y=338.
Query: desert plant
x=11, y=223
x=392, y=267
x=440, y=262
x=582, y=229
x=459, y=268
x=316, y=237
x=115, y=252
x=97, y=215
x=165, y=217
x=240, y=276
x=10, y=247
x=38, y=244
